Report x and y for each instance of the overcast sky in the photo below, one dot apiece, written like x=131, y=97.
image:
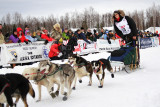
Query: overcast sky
x=60, y=7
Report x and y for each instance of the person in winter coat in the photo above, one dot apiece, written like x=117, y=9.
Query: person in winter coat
x=0, y=26
x=21, y=36
x=101, y=33
x=54, y=51
x=14, y=38
x=29, y=37
x=46, y=36
x=26, y=29
x=106, y=37
x=1, y=37
x=64, y=34
x=57, y=32
x=38, y=36
x=156, y=34
x=83, y=36
x=69, y=33
x=125, y=26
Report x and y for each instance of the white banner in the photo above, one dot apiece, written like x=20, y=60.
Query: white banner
x=36, y=51
x=103, y=45
x=22, y=53
x=155, y=41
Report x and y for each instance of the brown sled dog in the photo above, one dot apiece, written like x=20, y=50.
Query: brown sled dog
x=82, y=68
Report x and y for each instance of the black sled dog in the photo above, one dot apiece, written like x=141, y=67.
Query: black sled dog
x=14, y=85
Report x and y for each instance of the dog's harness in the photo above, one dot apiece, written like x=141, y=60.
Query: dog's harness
x=100, y=66
x=80, y=65
x=49, y=74
x=6, y=85
x=31, y=74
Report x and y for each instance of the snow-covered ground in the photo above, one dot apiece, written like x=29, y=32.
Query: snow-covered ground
x=140, y=88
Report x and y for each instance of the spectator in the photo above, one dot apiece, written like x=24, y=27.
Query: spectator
x=77, y=33
x=96, y=35
x=0, y=26
x=1, y=37
x=110, y=35
x=156, y=34
x=88, y=33
x=92, y=37
x=26, y=29
x=104, y=36
x=102, y=32
x=64, y=34
x=69, y=33
x=21, y=36
x=57, y=32
x=54, y=51
x=14, y=38
x=94, y=31
x=42, y=30
x=82, y=35
x=46, y=36
x=29, y=37
x=38, y=36
x=140, y=34
x=148, y=34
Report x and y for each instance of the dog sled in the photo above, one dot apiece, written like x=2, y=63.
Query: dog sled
x=126, y=58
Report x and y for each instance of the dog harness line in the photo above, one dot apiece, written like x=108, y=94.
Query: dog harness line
x=6, y=85
x=47, y=74
x=31, y=74
x=80, y=65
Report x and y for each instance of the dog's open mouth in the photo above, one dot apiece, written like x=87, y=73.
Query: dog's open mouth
x=71, y=62
x=42, y=72
x=95, y=70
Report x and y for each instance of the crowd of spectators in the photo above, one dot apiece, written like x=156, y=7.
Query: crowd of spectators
x=19, y=36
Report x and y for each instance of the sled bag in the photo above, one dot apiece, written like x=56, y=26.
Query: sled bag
x=124, y=54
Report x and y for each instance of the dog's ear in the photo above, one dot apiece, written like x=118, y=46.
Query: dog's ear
x=92, y=62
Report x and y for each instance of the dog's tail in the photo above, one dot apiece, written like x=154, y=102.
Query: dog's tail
x=31, y=90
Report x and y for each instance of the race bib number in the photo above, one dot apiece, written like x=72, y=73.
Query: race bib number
x=123, y=26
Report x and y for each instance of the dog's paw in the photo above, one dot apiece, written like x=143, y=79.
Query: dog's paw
x=112, y=75
x=65, y=98
x=100, y=86
x=57, y=93
x=53, y=95
x=74, y=88
x=80, y=81
x=89, y=85
x=38, y=100
x=65, y=93
x=14, y=105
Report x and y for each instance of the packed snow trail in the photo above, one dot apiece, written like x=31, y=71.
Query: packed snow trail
x=140, y=88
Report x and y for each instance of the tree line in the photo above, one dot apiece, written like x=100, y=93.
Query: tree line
x=90, y=18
